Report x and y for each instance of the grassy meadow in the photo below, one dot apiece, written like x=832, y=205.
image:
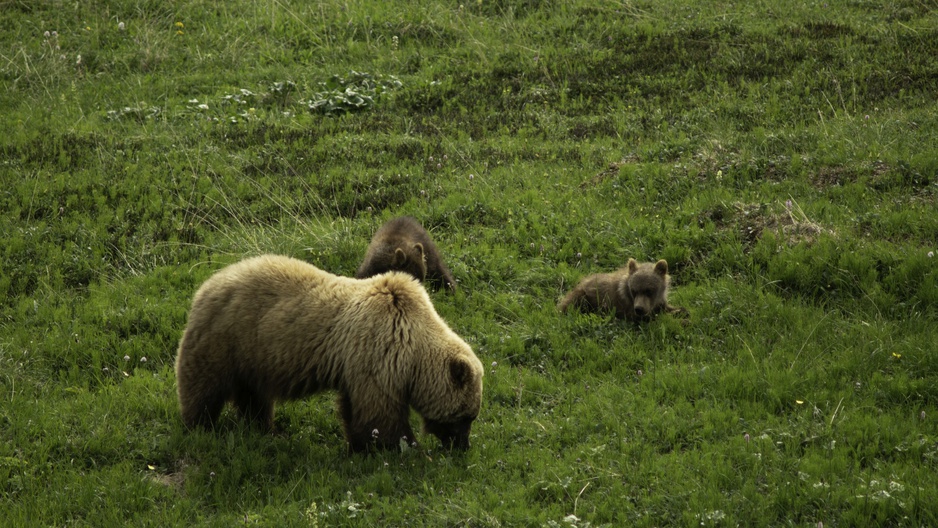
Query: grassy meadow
x=782, y=156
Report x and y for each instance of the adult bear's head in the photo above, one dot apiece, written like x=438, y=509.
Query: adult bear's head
x=457, y=401
x=447, y=386
x=443, y=377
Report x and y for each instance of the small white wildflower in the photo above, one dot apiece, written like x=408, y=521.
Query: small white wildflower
x=203, y=106
x=126, y=358
x=494, y=364
x=143, y=359
x=47, y=34
x=881, y=495
x=78, y=59
x=121, y=26
x=931, y=254
x=471, y=176
x=374, y=433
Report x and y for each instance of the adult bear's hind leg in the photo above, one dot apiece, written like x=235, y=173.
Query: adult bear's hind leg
x=201, y=380
x=201, y=410
x=255, y=408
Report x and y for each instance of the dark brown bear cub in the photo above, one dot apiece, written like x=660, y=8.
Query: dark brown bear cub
x=636, y=292
x=402, y=244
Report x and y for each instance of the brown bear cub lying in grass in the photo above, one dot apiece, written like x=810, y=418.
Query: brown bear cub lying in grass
x=636, y=292
x=274, y=328
x=402, y=244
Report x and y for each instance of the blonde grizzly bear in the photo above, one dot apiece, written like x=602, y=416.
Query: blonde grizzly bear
x=273, y=328
x=636, y=292
x=402, y=244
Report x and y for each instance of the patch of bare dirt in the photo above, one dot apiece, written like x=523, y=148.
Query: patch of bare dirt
x=787, y=221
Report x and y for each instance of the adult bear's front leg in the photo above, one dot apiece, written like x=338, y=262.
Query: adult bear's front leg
x=384, y=430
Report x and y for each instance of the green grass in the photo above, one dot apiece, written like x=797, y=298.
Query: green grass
x=781, y=156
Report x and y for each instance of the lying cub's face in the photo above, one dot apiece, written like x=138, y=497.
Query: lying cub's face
x=647, y=285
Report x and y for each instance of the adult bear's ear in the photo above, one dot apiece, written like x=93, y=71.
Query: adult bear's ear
x=661, y=267
x=460, y=373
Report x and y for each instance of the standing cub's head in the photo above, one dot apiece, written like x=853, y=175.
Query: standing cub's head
x=409, y=258
x=646, y=287
x=448, y=391
x=402, y=244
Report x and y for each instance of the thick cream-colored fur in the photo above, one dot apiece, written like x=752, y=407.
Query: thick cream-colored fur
x=275, y=328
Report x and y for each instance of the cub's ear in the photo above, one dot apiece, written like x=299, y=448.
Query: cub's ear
x=661, y=267
x=400, y=258
x=633, y=265
x=460, y=373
